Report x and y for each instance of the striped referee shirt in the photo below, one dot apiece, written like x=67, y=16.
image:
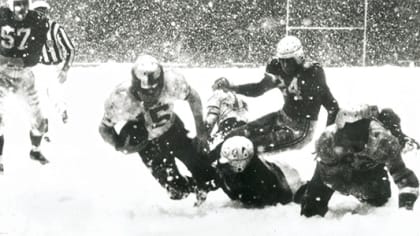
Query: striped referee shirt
x=57, y=46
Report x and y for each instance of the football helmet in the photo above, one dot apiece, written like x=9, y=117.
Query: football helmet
x=147, y=79
x=236, y=152
x=355, y=114
x=40, y=6
x=290, y=47
x=19, y=8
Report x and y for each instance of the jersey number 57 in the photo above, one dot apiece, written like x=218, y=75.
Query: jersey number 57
x=9, y=40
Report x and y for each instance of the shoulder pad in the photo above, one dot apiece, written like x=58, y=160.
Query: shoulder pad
x=308, y=65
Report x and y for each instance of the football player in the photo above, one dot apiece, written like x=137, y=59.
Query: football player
x=226, y=110
x=148, y=99
x=58, y=49
x=253, y=181
x=351, y=158
x=23, y=35
x=304, y=90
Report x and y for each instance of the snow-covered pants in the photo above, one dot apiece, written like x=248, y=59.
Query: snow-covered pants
x=159, y=156
x=21, y=81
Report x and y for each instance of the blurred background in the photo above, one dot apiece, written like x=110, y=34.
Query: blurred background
x=226, y=32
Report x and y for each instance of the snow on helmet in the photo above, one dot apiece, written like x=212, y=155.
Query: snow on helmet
x=40, y=4
x=148, y=70
x=19, y=8
x=354, y=114
x=147, y=81
x=236, y=152
x=290, y=47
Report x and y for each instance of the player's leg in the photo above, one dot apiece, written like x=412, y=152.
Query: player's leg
x=165, y=171
x=3, y=93
x=39, y=124
x=276, y=131
x=176, y=142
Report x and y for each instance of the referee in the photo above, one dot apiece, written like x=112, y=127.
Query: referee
x=58, y=49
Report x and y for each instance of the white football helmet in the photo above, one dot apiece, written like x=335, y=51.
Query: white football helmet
x=290, y=47
x=148, y=70
x=354, y=114
x=40, y=4
x=236, y=152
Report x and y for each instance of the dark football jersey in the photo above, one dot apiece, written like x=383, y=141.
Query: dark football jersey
x=22, y=39
x=305, y=93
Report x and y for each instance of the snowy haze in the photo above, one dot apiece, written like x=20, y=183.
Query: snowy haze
x=89, y=189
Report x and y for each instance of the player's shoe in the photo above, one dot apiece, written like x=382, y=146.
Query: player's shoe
x=1, y=169
x=201, y=196
x=37, y=156
x=64, y=117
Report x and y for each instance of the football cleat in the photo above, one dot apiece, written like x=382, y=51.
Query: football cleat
x=38, y=156
x=64, y=117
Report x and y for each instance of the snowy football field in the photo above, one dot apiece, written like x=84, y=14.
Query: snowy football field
x=89, y=189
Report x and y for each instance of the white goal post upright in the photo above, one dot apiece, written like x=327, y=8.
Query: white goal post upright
x=364, y=27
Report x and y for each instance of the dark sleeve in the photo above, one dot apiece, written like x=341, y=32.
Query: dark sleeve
x=403, y=177
x=257, y=89
x=327, y=99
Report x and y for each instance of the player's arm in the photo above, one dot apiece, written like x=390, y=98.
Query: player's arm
x=388, y=150
x=213, y=111
x=257, y=89
x=406, y=181
x=196, y=107
x=69, y=50
x=327, y=99
x=108, y=132
x=317, y=195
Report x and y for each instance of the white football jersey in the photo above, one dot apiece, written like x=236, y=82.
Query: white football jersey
x=227, y=105
x=122, y=106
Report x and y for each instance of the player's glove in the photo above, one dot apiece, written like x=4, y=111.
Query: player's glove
x=410, y=144
x=275, y=79
x=221, y=83
x=407, y=200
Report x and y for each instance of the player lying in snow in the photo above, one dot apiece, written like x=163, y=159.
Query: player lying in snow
x=155, y=131
x=253, y=181
x=304, y=90
x=351, y=159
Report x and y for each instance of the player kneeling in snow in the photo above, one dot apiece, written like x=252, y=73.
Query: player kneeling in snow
x=354, y=157
x=156, y=132
x=304, y=89
x=252, y=180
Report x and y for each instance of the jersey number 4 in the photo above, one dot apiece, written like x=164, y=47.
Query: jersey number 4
x=8, y=40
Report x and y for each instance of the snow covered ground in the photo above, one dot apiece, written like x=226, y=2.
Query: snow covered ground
x=89, y=189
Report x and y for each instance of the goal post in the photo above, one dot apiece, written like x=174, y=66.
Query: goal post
x=322, y=28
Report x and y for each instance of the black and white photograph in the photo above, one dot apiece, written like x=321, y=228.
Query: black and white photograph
x=209, y=117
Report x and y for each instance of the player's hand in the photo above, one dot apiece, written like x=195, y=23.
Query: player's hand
x=410, y=145
x=62, y=76
x=407, y=200
x=221, y=83
x=275, y=79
